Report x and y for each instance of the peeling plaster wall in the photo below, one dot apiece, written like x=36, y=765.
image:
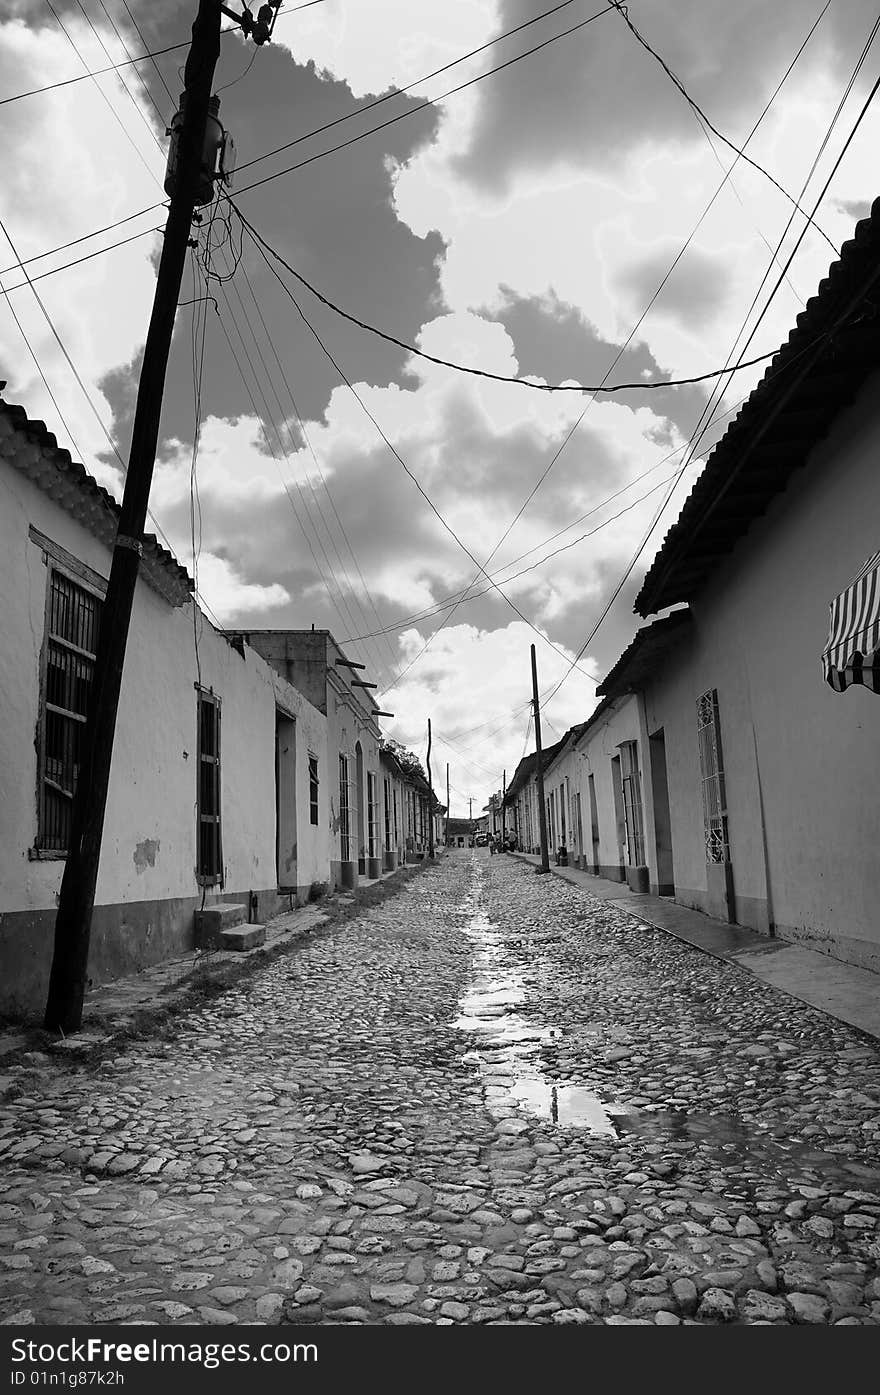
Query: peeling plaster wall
x=149, y=852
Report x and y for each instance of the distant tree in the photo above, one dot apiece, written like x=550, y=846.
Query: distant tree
x=408, y=762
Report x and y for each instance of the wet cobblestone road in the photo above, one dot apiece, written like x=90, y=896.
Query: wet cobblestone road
x=492, y=1098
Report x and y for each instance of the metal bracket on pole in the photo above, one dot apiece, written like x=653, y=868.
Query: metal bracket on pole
x=131, y=543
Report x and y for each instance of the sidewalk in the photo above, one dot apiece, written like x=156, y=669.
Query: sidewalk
x=850, y=994
x=114, y=1008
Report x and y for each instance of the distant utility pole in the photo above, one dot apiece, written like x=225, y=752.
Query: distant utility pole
x=192, y=185
x=503, y=814
x=470, y=808
x=431, y=789
x=539, y=769
x=447, y=805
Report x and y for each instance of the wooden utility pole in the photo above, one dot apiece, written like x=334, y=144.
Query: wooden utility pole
x=74, y=916
x=431, y=789
x=447, y=804
x=539, y=769
x=503, y=814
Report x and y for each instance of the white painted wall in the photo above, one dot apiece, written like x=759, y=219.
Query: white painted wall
x=759, y=630
x=595, y=750
x=149, y=848
x=346, y=726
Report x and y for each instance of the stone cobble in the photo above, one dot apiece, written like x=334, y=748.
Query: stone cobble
x=491, y=1099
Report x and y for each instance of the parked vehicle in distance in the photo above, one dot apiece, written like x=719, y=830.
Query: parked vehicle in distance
x=481, y=840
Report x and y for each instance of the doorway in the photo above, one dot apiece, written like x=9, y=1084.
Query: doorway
x=662, y=817
x=359, y=810
x=594, y=823
x=285, y=801
x=619, y=873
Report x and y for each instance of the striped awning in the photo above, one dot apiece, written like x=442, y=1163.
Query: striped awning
x=851, y=654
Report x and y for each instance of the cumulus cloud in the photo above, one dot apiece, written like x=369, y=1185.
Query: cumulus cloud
x=230, y=595
x=524, y=227
x=472, y=678
x=83, y=158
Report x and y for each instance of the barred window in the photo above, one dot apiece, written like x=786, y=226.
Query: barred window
x=387, y=791
x=313, y=789
x=712, y=778
x=372, y=815
x=71, y=643
x=344, y=811
x=209, y=865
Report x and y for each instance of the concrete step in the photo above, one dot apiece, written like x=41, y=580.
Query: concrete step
x=242, y=937
x=214, y=920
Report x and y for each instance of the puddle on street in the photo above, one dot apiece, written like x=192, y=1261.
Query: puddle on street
x=508, y=1044
x=507, y=1050
x=568, y=1106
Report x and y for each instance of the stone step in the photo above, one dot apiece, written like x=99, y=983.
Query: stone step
x=211, y=922
x=242, y=937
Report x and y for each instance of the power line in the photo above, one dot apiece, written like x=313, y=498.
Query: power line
x=282, y=14
x=150, y=56
x=869, y=99
x=468, y=594
x=528, y=731
x=695, y=440
x=348, y=589
x=463, y=594
x=474, y=764
x=75, y=371
x=127, y=51
x=86, y=237
x=39, y=368
x=98, y=72
x=401, y=91
x=642, y=317
x=620, y=352
x=482, y=372
x=399, y=458
x=411, y=111
x=110, y=247
x=622, y=11
x=105, y=99
x=307, y=438
x=266, y=416
x=62, y=347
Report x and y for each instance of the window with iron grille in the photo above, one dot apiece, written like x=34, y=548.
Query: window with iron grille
x=209, y=866
x=387, y=790
x=71, y=643
x=372, y=815
x=344, y=811
x=313, y=790
x=632, y=803
x=712, y=778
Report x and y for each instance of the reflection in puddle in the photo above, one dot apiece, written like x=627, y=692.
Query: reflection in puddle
x=508, y=1044
x=507, y=1050
x=569, y=1106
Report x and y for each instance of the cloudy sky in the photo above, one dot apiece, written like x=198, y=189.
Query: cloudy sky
x=522, y=225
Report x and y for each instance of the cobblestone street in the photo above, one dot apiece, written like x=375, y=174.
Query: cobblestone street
x=491, y=1098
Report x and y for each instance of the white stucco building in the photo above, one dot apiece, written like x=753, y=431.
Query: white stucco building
x=313, y=662
x=219, y=785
